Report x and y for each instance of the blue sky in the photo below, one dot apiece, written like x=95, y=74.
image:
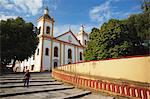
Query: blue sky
x=73, y=13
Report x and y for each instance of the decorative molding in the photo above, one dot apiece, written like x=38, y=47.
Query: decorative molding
x=51, y=54
x=60, y=55
x=75, y=54
x=64, y=55
x=73, y=36
x=67, y=43
x=112, y=88
x=41, y=65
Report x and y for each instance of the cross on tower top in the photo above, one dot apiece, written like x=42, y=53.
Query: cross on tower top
x=82, y=28
x=46, y=10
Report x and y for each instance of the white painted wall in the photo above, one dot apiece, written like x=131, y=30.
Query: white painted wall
x=46, y=59
x=50, y=25
x=78, y=54
x=67, y=47
x=82, y=38
x=40, y=24
x=56, y=44
x=38, y=57
x=62, y=54
x=47, y=44
x=65, y=38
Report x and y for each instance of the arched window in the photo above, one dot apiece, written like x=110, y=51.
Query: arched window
x=39, y=30
x=55, y=64
x=69, y=54
x=32, y=67
x=37, y=51
x=85, y=42
x=80, y=55
x=55, y=51
x=47, y=51
x=47, y=30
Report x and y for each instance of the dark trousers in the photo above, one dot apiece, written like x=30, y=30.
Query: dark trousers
x=26, y=82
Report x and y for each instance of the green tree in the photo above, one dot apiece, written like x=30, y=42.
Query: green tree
x=139, y=24
x=90, y=51
x=145, y=6
x=18, y=41
x=110, y=41
x=116, y=38
x=138, y=27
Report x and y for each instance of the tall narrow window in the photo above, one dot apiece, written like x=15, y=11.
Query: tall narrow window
x=39, y=30
x=69, y=54
x=46, y=51
x=85, y=42
x=80, y=55
x=47, y=30
x=37, y=51
x=32, y=67
x=55, y=51
x=55, y=64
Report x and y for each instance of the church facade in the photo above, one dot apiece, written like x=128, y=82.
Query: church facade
x=53, y=51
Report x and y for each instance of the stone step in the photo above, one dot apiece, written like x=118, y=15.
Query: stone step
x=34, y=78
x=32, y=84
x=97, y=96
x=42, y=86
x=59, y=94
x=76, y=95
x=23, y=92
x=21, y=81
x=19, y=76
x=30, y=88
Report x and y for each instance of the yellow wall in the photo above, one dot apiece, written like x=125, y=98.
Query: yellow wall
x=135, y=69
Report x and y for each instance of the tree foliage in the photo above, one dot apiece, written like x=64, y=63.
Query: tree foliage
x=18, y=41
x=110, y=41
x=117, y=38
x=146, y=6
x=139, y=24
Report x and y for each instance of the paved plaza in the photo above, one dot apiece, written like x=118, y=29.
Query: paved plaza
x=42, y=86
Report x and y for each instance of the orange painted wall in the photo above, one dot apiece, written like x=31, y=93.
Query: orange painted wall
x=135, y=69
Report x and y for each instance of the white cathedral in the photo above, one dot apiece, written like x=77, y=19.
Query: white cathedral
x=54, y=51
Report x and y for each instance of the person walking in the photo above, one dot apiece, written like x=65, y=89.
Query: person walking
x=26, y=78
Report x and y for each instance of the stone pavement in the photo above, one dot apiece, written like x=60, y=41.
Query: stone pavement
x=42, y=86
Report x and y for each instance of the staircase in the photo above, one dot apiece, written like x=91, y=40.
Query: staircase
x=42, y=86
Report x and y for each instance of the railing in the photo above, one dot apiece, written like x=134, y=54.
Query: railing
x=127, y=90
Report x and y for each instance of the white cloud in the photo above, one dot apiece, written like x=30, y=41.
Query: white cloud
x=103, y=12
x=22, y=6
x=60, y=29
x=5, y=17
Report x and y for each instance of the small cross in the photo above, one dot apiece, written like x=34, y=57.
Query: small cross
x=69, y=27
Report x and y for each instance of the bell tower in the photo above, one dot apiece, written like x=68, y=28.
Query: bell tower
x=82, y=36
x=45, y=26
